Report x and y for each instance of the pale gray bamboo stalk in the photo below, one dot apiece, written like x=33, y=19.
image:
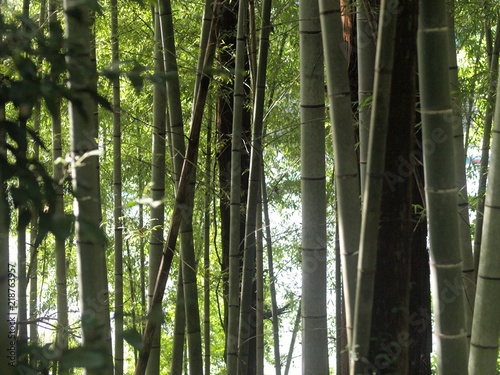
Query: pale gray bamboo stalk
x=296, y=326
x=485, y=148
x=338, y=303
x=233, y=331
x=254, y=185
x=206, y=245
x=158, y=169
x=440, y=188
x=468, y=269
x=313, y=191
x=346, y=163
x=117, y=195
x=92, y=271
x=372, y=196
x=486, y=323
x=259, y=280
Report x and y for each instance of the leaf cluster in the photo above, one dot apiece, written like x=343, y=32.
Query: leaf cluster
x=29, y=187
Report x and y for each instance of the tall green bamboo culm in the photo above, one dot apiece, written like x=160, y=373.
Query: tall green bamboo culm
x=235, y=213
x=117, y=193
x=179, y=334
x=312, y=140
x=346, y=164
x=92, y=270
x=58, y=175
x=440, y=188
x=206, y=246
x=486, y=322
x=372, y=196
x=157, y=218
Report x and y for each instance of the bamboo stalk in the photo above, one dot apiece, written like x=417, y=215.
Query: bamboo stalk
x=440, y=188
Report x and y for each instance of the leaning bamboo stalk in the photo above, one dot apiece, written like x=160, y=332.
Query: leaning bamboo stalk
x=485, y=147
x=295, y=330
x=188, y=169
x=486, y=322
x=254, y=183
x=176, y=132
x=440, y=188
x=346, y=165
x=372, y=196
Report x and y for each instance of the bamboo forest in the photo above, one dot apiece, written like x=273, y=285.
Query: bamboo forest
x=249, y=187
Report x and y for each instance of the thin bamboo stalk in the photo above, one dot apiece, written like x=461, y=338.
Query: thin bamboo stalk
x=346, y=164
x=366, y=73
x=117, y=195
x=206, y=246
x=272, y=279
x=468, y=268
x=254, y=184
x=233, y=332
x=485, y=147
x=372, y=196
